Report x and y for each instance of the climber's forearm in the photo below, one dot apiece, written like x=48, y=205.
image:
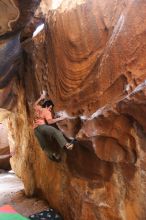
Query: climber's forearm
x=54, y=120
x=37, y=101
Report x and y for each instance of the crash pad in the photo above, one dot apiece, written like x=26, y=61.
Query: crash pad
x=8, y=213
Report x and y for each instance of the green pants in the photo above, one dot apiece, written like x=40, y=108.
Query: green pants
x=44, y=131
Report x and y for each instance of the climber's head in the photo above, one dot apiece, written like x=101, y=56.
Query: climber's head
x=47, y=104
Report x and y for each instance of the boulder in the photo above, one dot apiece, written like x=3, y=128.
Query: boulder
x=90, y=58
x=4, y=148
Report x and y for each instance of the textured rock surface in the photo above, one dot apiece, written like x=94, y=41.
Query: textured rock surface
x=14, y=15
x=4, y=148
x=90, y=57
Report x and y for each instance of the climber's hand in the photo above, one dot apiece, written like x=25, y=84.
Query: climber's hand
x=61, y=118
x=43, y=96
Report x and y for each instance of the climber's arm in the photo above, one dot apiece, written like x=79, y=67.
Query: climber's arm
x=50, y=120
x=54, y=120
x=38, y=100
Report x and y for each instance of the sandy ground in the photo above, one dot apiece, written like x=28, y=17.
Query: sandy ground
x=12, y=193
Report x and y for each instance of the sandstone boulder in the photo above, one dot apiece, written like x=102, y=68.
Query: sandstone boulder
x=90, y=58
x=4, y=148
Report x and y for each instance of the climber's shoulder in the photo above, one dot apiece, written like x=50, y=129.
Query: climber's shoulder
x=46, y=113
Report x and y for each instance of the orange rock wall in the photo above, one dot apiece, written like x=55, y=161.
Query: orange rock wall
x=90, y=57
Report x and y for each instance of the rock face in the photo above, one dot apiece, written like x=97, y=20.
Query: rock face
x=4, y=148
x=14, y=16
x=90, y=57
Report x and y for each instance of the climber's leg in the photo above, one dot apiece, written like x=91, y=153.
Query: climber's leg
x=42, y=141
x=53, y=133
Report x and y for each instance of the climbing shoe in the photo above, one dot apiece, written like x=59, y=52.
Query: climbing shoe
x=70, y=145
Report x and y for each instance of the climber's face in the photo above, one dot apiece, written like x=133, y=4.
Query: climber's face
x=49, y=107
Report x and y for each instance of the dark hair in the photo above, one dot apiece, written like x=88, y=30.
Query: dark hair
x=47, y=103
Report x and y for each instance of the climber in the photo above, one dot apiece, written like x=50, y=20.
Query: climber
x=42, y=124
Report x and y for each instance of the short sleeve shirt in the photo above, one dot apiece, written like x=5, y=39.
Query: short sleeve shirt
x=41, y=115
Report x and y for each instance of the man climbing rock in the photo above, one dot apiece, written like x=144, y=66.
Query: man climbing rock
x=43, y=119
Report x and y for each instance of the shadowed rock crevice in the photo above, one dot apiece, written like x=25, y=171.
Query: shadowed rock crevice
x=15, y=15
x=84, y=163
